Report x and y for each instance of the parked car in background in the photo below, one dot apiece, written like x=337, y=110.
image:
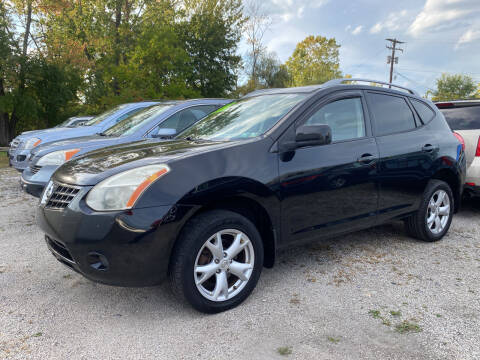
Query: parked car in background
x=162, y=120
x=75, y=121
x=463, y=116
x=20, y=146
x=279, y=167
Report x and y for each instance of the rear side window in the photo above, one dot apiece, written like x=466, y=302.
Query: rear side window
x=392, y=114
x=423, y=110
x=464, y=118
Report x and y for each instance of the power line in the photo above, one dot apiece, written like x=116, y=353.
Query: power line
x=393, y=60
x=413, y=81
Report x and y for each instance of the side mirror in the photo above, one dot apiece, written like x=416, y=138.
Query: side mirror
x=165, y=133
x=313, y=135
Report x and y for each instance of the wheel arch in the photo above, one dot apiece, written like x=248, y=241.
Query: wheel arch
x=451, y=178
x=244, y=196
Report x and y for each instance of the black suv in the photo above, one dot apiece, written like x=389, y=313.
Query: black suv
x=278, y=167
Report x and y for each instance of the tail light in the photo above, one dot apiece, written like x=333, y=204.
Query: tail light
x=460, y=138
x=477, y=153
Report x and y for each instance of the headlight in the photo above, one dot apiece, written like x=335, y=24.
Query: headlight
x=32, y=142
x=57, y=157
x=121, y=191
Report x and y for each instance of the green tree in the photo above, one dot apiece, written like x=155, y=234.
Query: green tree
x=314, y=61
x=211, y=31
x=453, y=87
x=271, y=72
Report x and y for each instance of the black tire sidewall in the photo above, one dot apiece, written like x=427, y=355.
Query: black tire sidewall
x=229, y=220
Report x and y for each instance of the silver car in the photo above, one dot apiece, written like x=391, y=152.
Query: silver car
x=463, y=116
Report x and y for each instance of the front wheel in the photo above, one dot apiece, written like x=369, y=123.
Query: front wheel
x=432, y=220
x=217, y=261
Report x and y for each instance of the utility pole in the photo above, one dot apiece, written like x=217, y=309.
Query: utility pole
x=392, y=59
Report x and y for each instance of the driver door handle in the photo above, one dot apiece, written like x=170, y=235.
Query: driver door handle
x=366, y=159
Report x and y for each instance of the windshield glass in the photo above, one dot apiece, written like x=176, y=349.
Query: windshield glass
x=135, y=122
x=66, y=123
x=98, y=119
x=245, y=118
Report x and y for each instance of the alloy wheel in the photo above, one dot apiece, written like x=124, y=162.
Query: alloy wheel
x=224, y=265
x=438, y=212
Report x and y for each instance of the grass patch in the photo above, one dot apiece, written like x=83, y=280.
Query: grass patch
x=407, y=327
x=333, y=340
x=284, y=350
x=377, y=315
x=3, y=159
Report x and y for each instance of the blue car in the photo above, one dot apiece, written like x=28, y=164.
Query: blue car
x=159, y=121
x=20, y=146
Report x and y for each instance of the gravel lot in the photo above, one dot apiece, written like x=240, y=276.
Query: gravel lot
x=376, y=294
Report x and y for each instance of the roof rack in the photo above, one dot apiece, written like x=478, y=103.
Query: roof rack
x=344, y=80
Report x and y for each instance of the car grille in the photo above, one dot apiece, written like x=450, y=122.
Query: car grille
x=62, y=196
x=35, y=169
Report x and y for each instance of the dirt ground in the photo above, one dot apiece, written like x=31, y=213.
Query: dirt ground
x=375, y=294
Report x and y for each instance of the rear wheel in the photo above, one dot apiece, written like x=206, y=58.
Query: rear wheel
x=432, y=220
x=217, y=261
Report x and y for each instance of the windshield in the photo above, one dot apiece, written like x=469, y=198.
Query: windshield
x=131, y=124
x=98, y=119
x=65, y=123
x=245, y=118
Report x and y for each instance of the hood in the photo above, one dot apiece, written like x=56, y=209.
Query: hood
x=97, y=165
x=84, y=143
x=62, y=133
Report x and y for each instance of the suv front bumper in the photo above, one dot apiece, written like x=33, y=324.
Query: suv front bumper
x=124, y=248
x=18, y=158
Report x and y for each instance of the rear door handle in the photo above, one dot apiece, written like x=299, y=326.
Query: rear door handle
x=367, y=159
x=428, y=148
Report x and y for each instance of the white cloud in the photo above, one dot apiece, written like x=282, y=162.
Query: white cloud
x=394, y=22
x=469, y=36
x=439, y=15
x=288, y=10
x=357, y=30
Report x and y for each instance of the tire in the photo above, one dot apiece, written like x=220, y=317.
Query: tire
x=418, y=225
x=192, y=252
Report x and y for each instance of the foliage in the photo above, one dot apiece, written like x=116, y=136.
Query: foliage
x=314, y=61
x=454, y=87
x=211, y=31
x=62, y=57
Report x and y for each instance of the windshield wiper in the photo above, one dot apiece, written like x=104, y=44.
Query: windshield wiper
x=102, y=134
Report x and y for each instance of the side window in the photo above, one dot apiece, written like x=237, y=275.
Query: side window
x=126, y=115
x=423, y=110
x=392, y=114
x=345, y=118
x=184, y=118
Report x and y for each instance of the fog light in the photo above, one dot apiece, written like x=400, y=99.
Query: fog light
x=97, y=261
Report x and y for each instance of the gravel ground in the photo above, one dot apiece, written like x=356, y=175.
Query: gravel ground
x=376, y=294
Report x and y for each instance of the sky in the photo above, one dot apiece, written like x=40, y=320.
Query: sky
x=440, y=35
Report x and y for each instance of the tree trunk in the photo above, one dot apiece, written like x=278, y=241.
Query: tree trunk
x=118, y=21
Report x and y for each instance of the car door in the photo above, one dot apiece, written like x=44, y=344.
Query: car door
x=183, y=119
x=332, y=188
x=407, y=151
